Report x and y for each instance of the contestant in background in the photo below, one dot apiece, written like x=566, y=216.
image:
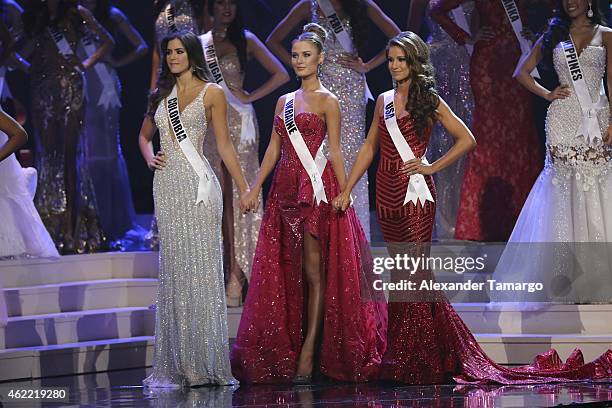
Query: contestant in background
x=343, y=71
x=428, y=343
x=452, y=74
x=233, y=46
x=309, y=307
x=501, y=170
x=101, y=132
x=567, y=217
x=191, y=339
x=175, y=16
x=65, y=197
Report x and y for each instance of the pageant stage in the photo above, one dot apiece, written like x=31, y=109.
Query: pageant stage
x=92, y=314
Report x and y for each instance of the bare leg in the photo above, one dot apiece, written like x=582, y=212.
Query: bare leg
x=315, y=279
x=235, y=277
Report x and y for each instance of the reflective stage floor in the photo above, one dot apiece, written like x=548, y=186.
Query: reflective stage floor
x=123, y=389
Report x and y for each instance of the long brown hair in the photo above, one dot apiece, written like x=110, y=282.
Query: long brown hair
x=167, y=80
x=423, y=99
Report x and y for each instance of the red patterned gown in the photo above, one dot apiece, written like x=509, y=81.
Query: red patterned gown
x=499, y=173
x=272, y=327
x=427, y=342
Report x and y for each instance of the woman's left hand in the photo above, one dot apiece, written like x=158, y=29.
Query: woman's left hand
x=418, y=165
x=608, y=136
x=242, y=95
x=355, y=64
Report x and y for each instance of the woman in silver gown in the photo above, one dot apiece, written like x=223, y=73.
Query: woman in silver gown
x=101, y=134
x=173, y=16
x=343, y=73
x=191, y=346
x=65, y=196
x=234, y=46
x=452, y=64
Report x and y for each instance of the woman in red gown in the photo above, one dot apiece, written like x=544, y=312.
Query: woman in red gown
x=308, y=299
x=499, y=173
x=428, y=342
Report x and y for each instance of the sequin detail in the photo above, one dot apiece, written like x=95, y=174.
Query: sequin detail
x=349, y=87
x=191, y=346
x=272, y=327
x=246, y=227
x=452, y=73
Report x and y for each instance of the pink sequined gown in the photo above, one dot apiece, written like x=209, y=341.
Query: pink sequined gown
x=272, y=327
x=428, y=343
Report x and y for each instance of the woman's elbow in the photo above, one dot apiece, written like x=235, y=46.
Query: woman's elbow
x=22, y=136
x=283, y=77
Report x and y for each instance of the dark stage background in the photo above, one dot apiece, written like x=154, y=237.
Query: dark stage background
x=260, y=17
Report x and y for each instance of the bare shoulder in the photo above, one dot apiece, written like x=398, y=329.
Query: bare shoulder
x=85, y=12
x=214, y=94
x=12, y=6
x=303, y=7
x=327, y=98
x=117, y=15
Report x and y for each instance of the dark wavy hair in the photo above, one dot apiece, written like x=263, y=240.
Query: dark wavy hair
x=235, y=33
x=423, y=99
x=357, y=11
x=559, y=28
x=36, y=17
x=196, y=5
x=167, y=80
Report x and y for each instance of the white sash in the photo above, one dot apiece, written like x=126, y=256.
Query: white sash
x=189, y=150
x=61, y=42
x=512, y=12
x=589, y=127
x=109, y=96
x=314, y=167
x=169, y=13
x=461, y=20
x=417, y=187
x=342, y=36
x=246, y=111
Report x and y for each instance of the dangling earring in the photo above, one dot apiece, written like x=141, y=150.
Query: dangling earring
x=319, y=71
x=590, y=12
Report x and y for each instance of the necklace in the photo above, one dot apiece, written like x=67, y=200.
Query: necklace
x=220, y=34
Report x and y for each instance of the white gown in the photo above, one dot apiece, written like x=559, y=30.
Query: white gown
x=22, y=232
x=563, y=237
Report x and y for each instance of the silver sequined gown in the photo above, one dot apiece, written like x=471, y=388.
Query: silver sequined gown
x=191, y=344
x=245, y=227
x=349, y=86
x=452, y=67
x=569, y=203
x=183, y=21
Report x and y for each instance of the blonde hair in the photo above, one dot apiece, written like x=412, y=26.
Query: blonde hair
x=313, y=33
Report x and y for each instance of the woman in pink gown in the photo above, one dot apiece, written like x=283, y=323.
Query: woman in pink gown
x=428, y=342
x=308, y=300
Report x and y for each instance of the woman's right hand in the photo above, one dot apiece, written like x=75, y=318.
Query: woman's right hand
x=560, y=92
x=342, y=201
x=157, y=162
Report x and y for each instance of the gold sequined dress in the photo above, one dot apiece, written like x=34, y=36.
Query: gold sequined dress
x=245, y=227
x=191, y=340
x=65, y=197
x=349, y=86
